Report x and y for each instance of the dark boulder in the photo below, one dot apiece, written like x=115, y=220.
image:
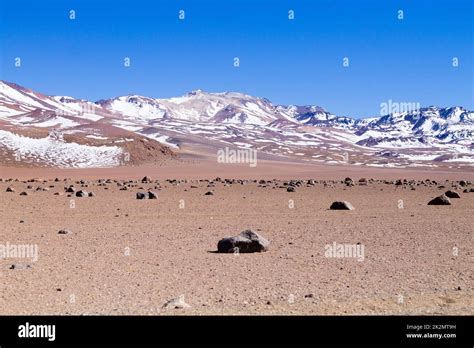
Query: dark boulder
x=245, y=242
x=440, y=200
x=341, y=205
x=81, y=193
x=452, y=194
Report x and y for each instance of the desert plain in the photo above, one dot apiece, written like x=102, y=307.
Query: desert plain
x=120, y=255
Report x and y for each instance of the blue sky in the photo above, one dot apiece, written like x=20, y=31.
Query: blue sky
x=296, y=61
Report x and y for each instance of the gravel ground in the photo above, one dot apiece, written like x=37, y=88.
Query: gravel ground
x=129, y=256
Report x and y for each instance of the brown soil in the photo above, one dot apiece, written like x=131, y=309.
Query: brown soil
x=128, y=256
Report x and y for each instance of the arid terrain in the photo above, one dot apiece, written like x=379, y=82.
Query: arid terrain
x=122, y=255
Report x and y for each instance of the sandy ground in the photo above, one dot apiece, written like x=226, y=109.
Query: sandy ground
x=129, y=256
x=199, y=167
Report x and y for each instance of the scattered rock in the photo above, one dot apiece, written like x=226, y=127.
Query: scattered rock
x=440, y=200
x=71, y=189
x=341, y=205
x=245, y=242
x=290, y=189
x=452, y=194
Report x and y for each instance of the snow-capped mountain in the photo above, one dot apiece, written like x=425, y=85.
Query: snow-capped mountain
x=198, y=106
x=427, y=126
x=39, y=130
x=143, y=127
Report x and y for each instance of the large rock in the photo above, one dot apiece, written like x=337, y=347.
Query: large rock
x=452, y=194
x=341, y=205
x=245, y=242
x=440, y=200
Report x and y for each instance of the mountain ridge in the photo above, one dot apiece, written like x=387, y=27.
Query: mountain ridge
x=419, y=137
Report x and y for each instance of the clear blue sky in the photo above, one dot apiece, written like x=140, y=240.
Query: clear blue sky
x=288, y=62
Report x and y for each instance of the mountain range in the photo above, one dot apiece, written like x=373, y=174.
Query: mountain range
x=61, y=131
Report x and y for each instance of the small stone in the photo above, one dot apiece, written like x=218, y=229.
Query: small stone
x=176, y=303
x=64, y=231
x=341, y=205
x=141, y=195
x=209, y=193
x=10, y=189
x=290, y=189
x=81, y=193
x=152, y=195
x=20, y=266
x=452, y=194
x=440, y=200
